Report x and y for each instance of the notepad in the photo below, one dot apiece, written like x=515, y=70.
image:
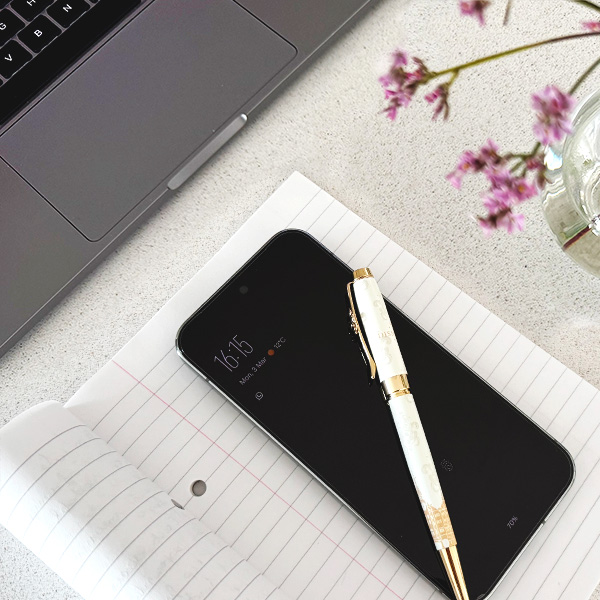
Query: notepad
x=95, y=488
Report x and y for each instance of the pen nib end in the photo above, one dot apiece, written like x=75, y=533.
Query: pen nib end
x=454, y=570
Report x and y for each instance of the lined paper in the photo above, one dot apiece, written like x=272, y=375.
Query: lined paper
x=107, y=530
x=176, y=429
x=266, y=506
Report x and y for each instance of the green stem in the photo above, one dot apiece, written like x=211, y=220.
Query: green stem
x=587, y=4
x=521, y=156
x=492, y=57
x=522, y=159
x=584, y=76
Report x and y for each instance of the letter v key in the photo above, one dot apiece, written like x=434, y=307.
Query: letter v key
x=12, y=57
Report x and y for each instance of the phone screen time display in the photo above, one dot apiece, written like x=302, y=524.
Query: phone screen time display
x=238, y=350
x=276, y=340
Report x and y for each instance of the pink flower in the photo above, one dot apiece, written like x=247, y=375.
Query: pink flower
x=399, y=59
x=536, y=165
x=510, y=221
x=488, y=153
x=474, y=8
x=495, y=203
x=469, y=162
x=396, y=98
x=506, y=219
x=552, y=108
x=508, y=189
x=505, y=192
x=439, y=96
x=591, y=25
x=487, y=225
x=400, y=84
x=523, y=189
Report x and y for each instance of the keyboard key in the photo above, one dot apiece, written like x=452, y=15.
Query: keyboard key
x=9, y=25
x=66, y=12
x=29, y=9
x=56, y=57
x=12, y=57
x=39, y=33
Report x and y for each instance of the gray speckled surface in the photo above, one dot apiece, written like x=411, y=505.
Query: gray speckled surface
x=327, y=126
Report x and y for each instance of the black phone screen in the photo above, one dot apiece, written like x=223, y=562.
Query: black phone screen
x=276, y=340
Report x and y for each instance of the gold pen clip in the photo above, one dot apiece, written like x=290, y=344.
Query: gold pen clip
x=357, y=330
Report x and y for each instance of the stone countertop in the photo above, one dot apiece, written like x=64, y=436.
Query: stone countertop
x=328, y=126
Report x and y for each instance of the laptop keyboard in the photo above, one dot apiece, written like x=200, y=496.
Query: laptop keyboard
x=40, y=38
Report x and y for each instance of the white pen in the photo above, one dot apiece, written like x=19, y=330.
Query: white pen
x=385, y=359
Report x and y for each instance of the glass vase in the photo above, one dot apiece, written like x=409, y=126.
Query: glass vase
x=571, y=199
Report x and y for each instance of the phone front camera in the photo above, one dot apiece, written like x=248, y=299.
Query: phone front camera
x=244, y=289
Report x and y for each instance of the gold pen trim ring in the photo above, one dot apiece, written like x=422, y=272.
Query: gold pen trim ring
x=362, y=273
x=395, y=386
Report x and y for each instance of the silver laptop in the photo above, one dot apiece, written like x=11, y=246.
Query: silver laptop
x=108, y=106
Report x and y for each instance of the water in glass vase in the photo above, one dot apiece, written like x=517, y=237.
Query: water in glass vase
x=571, y=200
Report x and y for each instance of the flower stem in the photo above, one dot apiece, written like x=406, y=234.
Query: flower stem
x=491, y=57
x=523, y=158
x=535, y=149
x=584, y=76
x=587, y=4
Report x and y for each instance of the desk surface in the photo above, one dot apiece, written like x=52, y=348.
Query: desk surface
x=327, y=125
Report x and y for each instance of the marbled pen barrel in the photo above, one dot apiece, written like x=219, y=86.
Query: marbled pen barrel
x=384, y=347
x=385, y=354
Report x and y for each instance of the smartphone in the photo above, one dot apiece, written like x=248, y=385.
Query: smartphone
x=276, y=341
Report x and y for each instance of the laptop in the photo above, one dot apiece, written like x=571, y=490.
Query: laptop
x=108, y=106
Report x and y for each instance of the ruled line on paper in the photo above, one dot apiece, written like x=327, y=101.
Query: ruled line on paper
x=66, y=483
x=131, y=511
x=141, y=565
x=126, y=548
x=8, y=480
x=33, y=483
x=176, y=562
